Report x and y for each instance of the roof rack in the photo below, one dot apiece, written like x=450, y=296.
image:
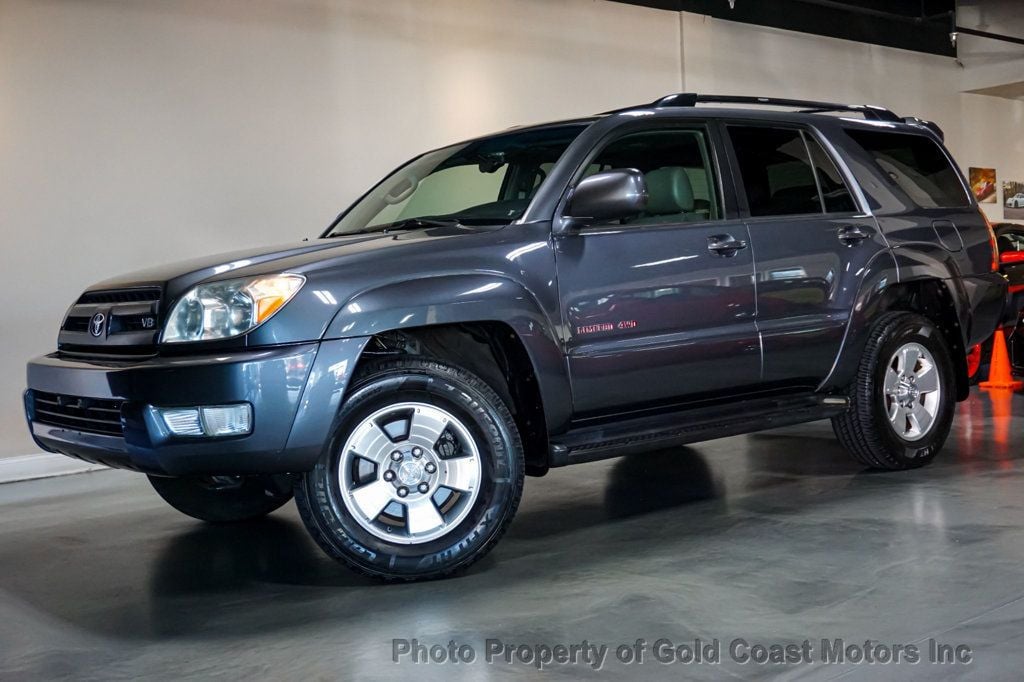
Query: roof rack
x=692, y=99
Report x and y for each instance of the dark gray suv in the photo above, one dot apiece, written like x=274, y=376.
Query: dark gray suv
x=553, y=294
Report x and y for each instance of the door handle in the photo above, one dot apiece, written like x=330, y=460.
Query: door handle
x=851, y=235
x=725, y=245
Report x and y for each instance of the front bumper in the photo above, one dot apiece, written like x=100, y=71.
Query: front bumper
x=295, y=392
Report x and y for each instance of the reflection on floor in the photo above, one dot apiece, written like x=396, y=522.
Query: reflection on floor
x=775, y=537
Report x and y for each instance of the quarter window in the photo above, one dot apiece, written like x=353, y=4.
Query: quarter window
x=917, y=165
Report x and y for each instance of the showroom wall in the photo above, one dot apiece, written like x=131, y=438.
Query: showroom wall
x=138, y=132
x=134, y=133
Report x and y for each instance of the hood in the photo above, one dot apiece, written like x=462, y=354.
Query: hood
x=175, y=277
x=203, y=267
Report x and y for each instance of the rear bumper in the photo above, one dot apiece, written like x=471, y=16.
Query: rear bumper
x=989, y=301
x=295, y=392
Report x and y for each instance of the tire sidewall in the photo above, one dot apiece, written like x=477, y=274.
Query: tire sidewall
x=915, y=330
x=500, y=480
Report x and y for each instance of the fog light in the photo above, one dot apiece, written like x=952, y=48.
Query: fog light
x=211, y=420
x=227, y=420
x=183, y=422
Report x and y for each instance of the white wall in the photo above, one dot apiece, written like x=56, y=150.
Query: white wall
x=138, y=132
x=135, y=132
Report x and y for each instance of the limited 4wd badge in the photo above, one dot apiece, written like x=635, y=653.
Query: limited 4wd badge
x=606, y=327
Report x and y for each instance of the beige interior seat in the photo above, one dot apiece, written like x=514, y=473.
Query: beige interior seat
x=670, y=197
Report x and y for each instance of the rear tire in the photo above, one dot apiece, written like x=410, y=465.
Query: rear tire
x=422, y=475
x=903, y=398
x=224, y=499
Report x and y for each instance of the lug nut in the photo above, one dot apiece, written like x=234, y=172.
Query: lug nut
x=423, y=487
x=389, y=475
x=396, y=455
x=403, y=491
x=416, y=452
x=430, y=467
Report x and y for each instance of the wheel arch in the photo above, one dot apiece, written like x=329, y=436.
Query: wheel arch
x=460, y=317
x=940, y=299
x=494, y=352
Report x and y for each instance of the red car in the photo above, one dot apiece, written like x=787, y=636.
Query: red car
x=1010, y=240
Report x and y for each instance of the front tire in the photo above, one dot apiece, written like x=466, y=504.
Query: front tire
x=903, y=398
x=422, y=475
x=224, y=499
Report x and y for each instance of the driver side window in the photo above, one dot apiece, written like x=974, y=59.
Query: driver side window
x=677, y=169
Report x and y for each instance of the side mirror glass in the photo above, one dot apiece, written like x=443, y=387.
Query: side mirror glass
x=612, y=195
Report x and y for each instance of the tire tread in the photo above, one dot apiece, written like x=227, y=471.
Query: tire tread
x=857, y=429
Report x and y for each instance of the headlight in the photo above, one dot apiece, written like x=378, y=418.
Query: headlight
x=220, y=310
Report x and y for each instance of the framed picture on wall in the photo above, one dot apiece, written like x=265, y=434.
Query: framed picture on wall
x=1013, y=199
x=983, y=184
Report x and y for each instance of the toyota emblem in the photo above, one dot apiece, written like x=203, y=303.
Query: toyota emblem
x=96, y=324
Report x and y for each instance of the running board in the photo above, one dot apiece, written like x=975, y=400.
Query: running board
x=612, y=439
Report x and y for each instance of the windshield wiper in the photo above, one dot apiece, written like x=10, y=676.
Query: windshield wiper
x=406, y=224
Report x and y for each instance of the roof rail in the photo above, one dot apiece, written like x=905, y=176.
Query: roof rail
x=692, y=99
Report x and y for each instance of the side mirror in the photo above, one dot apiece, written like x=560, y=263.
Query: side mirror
x=612, y=195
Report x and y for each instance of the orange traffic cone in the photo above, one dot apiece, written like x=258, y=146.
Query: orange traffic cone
x=999, y=373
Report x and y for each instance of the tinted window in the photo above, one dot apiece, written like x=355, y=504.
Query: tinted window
x=677, y=168
x=776, y=171
x=834, y=191
x=917, y=165
x=487, y=181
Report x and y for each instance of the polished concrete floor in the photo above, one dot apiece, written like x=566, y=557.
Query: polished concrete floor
x=772, y=538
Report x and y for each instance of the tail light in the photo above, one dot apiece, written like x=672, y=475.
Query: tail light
x=992, y=242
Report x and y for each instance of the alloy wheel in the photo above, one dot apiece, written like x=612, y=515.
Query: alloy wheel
x=409, y=472
x=911, y=391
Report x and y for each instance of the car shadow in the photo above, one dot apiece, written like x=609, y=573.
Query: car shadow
x=173, y=577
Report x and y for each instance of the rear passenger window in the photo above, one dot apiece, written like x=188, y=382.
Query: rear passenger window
x=917, y=165
x=834, y=191
x=777, y=172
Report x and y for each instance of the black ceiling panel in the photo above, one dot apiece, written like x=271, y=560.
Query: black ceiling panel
x=919, y=25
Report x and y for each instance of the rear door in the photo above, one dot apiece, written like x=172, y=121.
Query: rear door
x=659, y=308
x=811, y=244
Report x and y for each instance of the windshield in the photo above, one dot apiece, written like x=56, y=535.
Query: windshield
x=484, y=182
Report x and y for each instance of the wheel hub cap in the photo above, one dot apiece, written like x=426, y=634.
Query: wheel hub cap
x=911, y=391
x=409, y=472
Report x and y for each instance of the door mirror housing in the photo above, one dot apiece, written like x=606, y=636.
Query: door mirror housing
x=612, y=195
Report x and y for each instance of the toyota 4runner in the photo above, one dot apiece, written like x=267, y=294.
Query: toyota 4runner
x=549, y=295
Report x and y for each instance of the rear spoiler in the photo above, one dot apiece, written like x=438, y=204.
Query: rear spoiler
x=930, y=125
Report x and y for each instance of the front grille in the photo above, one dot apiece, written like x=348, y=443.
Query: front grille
x=121, y=296
x=133, y=323
x=91, y=415
x=76, y=323
x=118, y=323
x=127, y=322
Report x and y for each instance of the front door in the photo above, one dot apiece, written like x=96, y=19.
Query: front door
x=659, y=308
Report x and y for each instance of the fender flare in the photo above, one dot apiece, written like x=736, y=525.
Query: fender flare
x=880, y=287
x=465, y=298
